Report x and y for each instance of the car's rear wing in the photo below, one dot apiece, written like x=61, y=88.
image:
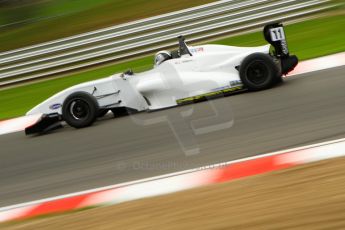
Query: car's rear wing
x=275, y=35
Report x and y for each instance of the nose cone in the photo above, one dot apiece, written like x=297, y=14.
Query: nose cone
x=34, y=111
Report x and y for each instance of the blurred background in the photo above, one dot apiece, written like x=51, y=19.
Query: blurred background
x=73, y=41
x=49, y=45
x=27, y=22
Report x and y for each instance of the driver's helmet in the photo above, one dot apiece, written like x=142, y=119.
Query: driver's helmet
x=161, y=57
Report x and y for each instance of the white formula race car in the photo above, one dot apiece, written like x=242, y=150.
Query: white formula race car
x=183, y=76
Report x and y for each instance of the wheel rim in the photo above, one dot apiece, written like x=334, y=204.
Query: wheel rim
x=79, y=109
x=257, y=73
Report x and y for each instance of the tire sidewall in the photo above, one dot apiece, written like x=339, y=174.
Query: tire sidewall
x=265, y=61
x=93, y=109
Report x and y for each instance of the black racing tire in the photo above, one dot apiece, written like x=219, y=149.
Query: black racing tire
x=80, y=109
x=258, y=71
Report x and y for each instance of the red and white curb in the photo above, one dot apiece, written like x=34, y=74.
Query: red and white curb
x=20, y=123
x=318, y=64
x=169, y=183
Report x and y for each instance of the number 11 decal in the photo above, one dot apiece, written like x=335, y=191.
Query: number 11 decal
x=277, y=34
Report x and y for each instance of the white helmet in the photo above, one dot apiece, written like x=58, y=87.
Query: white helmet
x=161, y=57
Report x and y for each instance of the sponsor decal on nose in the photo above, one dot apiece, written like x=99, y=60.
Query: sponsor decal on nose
x=55, y=106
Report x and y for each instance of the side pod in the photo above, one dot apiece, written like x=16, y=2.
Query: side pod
x=46, y=123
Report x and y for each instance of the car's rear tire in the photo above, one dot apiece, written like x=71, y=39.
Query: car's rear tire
x=80, y=109
x=258, y=71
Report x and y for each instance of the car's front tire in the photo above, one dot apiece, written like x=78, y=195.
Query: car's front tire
x=80, y=109
x=258, y=71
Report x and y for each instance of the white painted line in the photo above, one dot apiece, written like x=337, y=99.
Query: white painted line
x=110, y=187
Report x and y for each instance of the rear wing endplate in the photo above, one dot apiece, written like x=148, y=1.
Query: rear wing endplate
x=275, y=35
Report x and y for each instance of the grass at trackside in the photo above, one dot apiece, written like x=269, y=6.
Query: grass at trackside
x=308, y=39
x=68, y=17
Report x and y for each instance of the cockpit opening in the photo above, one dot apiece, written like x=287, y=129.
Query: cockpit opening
x=165, y=55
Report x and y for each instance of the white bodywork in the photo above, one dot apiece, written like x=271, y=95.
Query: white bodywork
x=210, y=69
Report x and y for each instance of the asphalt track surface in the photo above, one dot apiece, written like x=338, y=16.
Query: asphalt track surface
x=307, y=109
